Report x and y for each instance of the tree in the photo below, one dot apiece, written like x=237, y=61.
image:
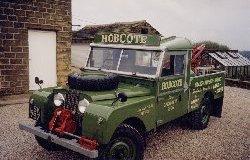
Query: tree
x=212, y=45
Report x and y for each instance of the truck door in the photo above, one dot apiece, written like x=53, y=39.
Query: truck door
x=172, y=95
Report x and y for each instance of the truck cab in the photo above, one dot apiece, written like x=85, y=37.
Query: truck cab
x=131, y=85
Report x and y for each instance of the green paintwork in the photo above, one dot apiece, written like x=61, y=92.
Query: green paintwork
x=177, y=43
x=130, y=90
x=115, y=115
x=131, y=39
x=171, y=90
x=153, y=101
x=43, y=98
x=202, y=84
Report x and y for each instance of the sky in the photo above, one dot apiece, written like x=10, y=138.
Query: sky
x=223, y=21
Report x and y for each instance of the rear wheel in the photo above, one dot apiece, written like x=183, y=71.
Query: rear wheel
x=126, y=144
x=199, y=119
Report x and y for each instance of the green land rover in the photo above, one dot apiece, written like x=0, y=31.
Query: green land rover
x=131, y=85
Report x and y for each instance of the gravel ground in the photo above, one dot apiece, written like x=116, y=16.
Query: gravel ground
x=225, y=138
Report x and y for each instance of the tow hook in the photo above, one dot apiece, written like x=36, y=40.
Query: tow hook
x=49, y=138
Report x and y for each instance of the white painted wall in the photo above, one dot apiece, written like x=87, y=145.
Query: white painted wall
x=79, y=54
x=42, y=58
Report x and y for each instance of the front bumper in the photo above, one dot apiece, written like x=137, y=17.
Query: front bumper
x=70, y=144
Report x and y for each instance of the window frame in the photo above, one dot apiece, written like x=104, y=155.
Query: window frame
x=175, y=53
x=155, y=49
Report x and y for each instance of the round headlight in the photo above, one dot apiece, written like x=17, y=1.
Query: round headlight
x=83, y=104
x=58, y=99
x=31, y=101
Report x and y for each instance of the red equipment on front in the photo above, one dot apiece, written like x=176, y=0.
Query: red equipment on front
x=62, y=121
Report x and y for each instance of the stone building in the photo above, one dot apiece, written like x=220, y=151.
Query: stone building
x=82, y=38
x=35, y=41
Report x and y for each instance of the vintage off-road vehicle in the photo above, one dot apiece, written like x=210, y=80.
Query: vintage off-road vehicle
x=131, y=85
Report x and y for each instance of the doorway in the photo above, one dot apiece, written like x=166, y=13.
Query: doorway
x=42, y=58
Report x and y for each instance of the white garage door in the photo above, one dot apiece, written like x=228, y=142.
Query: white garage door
x=42, y=58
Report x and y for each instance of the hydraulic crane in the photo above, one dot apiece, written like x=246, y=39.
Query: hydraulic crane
x=196, y=57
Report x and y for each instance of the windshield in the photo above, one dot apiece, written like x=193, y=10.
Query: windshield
x=126, y=60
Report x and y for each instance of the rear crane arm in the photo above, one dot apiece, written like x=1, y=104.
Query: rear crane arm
x=196, y=56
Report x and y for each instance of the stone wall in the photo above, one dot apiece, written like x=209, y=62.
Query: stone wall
x=16, y=17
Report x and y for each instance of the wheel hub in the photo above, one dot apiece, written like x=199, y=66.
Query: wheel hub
x=122, y=151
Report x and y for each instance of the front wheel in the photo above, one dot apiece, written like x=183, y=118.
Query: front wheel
x=49, y=146
x=126, y=144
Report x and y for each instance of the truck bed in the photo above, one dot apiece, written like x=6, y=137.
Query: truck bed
x=209, y=83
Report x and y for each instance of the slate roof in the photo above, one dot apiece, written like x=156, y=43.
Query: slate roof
x=230, y=58
x=88, y=32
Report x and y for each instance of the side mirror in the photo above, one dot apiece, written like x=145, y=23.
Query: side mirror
x=38, y=82
x=122, y=97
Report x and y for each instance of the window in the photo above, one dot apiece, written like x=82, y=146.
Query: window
x=222, y=55
x=144, y=30
x=104, y=58
x=173, y=65
x=139, y=61
x=142, y=58
x=179, y=64
x=233, y=54
x=126, y=60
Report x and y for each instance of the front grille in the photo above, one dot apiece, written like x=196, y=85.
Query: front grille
x=71, y=100
x=71, y=103
x=34, y=112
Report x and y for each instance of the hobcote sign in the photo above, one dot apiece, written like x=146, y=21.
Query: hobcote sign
x=133, y=39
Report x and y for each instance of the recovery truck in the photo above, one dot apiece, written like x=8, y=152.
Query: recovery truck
x=131, y=84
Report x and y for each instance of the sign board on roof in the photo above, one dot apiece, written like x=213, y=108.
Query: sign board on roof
x=132, y=39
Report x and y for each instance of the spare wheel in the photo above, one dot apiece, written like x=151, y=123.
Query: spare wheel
x=93, y=82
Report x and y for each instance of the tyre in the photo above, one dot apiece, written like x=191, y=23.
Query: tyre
x=217, y=107
x=199, y=118
x=126, y=144
x=93, y=82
